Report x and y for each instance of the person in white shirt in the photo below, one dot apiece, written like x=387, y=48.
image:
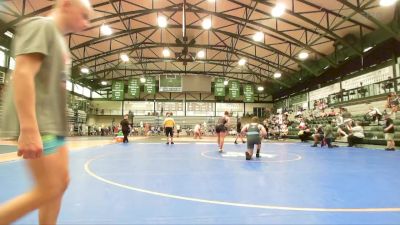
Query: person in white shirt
x=356, y=135
x=316, y=113
x=178, y=129
x=280, y=119
x=373, y=113
x=197, y=131
x=339, y=119
x=284, y=131
x=299, y=113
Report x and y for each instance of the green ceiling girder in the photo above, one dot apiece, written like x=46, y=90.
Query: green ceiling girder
x=371, y=39
x=382, y=26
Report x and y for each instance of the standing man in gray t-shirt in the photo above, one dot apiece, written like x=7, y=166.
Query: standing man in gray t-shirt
x=35, y=107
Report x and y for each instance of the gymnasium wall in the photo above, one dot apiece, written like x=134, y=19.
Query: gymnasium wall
x=102, y=120
x=362, y=108
x=110, y=107
x=249, y=106
x=189, y=96
x=116, y=109
x=371, y=80
x=116, y=106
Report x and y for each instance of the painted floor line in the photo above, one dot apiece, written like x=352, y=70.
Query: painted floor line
x=91, y=173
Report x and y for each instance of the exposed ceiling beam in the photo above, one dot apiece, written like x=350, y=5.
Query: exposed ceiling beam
x=88, y=59
x=153, y=60
x=256, y=25
x=38, y=12
x=311, y=22
x=366, y=15
x=320, y=8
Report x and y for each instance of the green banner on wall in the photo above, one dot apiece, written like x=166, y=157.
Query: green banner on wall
x=150, y=85
x=234, y=89
x=118, y=90
x=248, y=93
x=134, y=88
x=219, y=87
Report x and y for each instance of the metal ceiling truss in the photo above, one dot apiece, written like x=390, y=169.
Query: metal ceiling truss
x=235, y=20
x=330, y=14
x=220, y=49
x=259, y=68
x=228, y=34
x=246, y=77
x=267, y=72
x=317, y=25
x=360, y=10
x=128, y=67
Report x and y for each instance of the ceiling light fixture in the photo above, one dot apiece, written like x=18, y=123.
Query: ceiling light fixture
x=206, y=24
x=367, y=49
x=277, y=74
x=278, y=10
x=85, y=70
x=9, y=34
x=303, y=55
x=387, y=2
x=201, y=54
x=105, y=30
x=162, y=21
x=166, y=53
x=242, y=62
x=259, y=36
x=125, y=58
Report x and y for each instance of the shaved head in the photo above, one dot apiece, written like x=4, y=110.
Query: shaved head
x=72, y=15
x=84, y=3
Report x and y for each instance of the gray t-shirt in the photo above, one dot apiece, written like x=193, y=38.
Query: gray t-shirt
x=40, y=35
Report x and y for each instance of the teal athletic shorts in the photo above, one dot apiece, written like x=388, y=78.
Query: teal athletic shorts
x=51, y=143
